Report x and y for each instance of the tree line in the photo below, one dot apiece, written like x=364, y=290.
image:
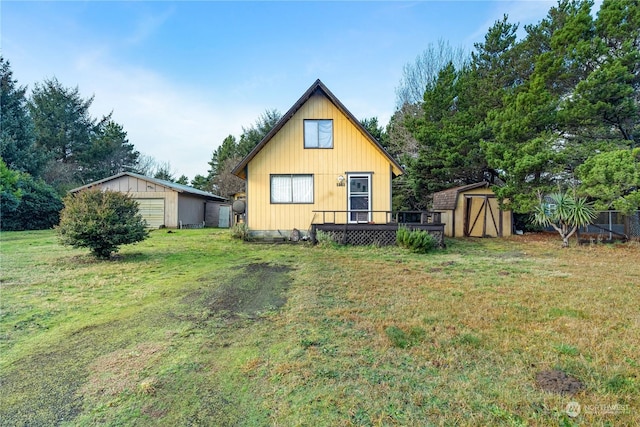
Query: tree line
x=557, y=110
x=50, y=144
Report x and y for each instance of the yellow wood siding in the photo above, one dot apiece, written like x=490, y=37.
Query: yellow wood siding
x=285, y=154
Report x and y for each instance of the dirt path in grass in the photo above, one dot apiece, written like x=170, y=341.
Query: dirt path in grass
x=52, y=387
x=259, y=288
x=249, y=293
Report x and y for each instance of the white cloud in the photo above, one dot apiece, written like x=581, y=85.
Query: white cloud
x=147, y=26
x=175, y=120
x=171, y=122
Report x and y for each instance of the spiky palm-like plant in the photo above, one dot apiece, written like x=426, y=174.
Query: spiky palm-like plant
x=565, y=213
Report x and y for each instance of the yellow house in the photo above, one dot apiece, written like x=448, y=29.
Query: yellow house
x=318, y=164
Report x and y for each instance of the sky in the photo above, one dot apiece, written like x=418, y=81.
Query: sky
x=182, y=76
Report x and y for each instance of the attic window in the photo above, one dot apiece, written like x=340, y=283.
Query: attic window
x=318, y=134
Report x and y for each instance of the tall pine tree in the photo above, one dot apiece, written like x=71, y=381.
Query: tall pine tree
x=17, y=132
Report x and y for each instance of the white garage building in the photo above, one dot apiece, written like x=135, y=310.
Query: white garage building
x=167, y=204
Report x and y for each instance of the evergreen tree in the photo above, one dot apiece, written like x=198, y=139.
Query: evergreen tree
x=101, y=221
x=612, y=179
x=10, y=194
x=17, y=133
x=252, y=135
x=109, y=153
x=64, y=131
x=605, y=103
x=375, y=130
x=201, y=183
x=164, y=172
x=531, y=144
x=62, y=120
x=557, y=109
x=226, y=150
x=220, y=180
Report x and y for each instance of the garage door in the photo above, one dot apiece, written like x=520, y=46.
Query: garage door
x=152, y=210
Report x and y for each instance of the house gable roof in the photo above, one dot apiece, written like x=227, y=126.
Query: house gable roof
x=317, y=86
x=168, y=184
x=447, y=199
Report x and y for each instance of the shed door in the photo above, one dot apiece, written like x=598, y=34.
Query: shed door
x=482, y=217
x=224, y=215
x=152, y=210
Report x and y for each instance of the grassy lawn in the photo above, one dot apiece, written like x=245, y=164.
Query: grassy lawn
x=193, y=328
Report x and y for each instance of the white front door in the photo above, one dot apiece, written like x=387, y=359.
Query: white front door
x=359, y=197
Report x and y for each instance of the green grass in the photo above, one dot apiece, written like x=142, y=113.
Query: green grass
x=194, y=328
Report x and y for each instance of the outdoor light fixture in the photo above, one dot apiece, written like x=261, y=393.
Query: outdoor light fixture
x=341, y=181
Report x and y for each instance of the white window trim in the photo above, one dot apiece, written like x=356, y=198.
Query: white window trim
x=351, y=176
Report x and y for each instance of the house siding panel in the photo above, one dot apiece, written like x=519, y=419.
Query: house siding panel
x=285, y=154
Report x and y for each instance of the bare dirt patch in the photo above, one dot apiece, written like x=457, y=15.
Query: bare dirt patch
x=254, y=290
x=558, y=382
x=540, y=236
x=258, y=289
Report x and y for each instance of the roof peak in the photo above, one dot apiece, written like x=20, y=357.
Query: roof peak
x=318, y=84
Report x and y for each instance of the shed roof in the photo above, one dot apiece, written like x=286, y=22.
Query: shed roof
x=447, y=199
x=317, y=86
x=180, y=188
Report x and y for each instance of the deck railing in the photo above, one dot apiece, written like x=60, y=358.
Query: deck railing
x=373, y=227
x=376, y=217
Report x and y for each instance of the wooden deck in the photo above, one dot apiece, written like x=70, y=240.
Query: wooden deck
x=367, y=233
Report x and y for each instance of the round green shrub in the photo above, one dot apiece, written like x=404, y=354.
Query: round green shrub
x=101, y=221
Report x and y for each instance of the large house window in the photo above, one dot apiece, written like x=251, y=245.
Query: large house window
x=318, y=134
x=291, y=188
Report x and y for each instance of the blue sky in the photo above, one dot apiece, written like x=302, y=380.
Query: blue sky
x=181, y=76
